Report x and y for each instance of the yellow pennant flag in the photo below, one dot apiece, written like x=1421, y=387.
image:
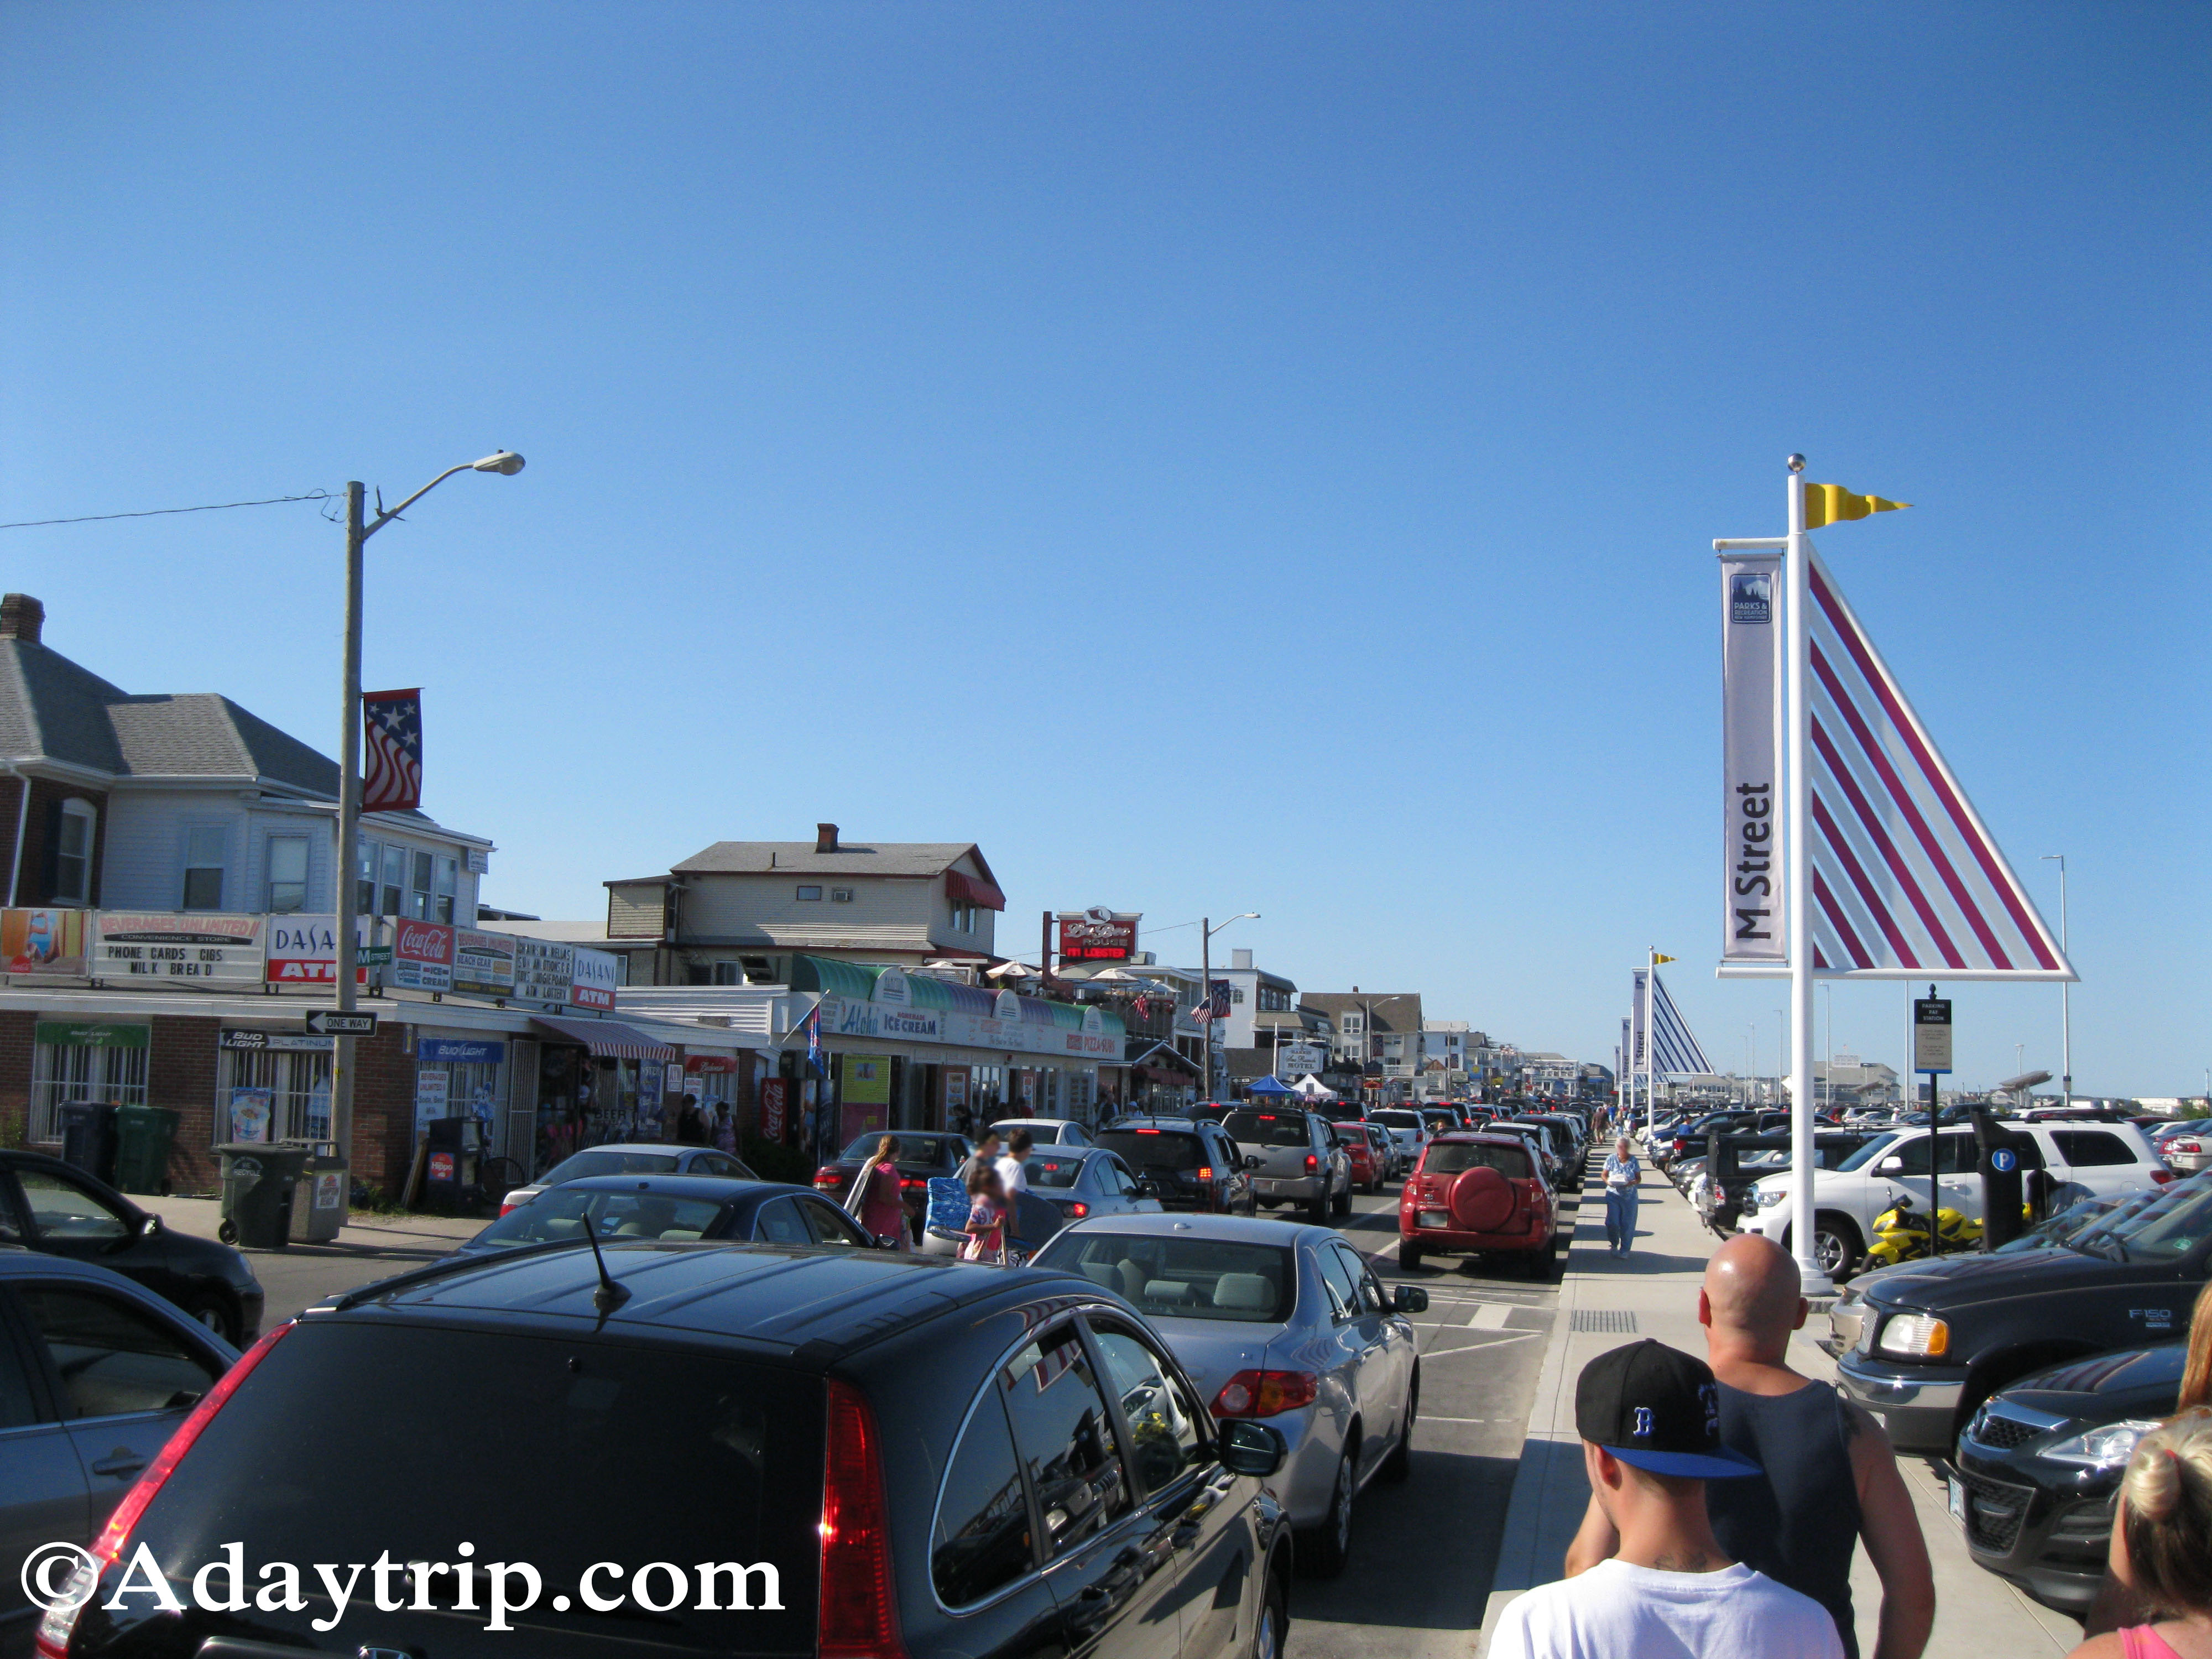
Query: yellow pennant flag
x=1826, y=504
x=1656, y=959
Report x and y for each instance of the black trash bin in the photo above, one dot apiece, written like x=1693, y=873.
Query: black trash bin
x=89, y=1139
x=257, y=1179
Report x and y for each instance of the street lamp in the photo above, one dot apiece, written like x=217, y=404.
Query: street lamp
x=507, y=463
x=2065, y=990
x=1207, y=931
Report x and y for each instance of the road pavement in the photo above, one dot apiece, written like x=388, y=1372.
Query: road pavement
x=1422, y=1552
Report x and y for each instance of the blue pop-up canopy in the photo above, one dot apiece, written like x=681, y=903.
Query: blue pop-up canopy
x=1269, y=1087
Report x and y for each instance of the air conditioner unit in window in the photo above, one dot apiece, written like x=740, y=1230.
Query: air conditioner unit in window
x=841, y=895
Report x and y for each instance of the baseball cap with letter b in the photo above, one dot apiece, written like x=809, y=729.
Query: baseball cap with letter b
x=1658, y=1408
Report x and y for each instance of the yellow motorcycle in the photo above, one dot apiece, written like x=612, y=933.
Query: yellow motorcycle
x=1900, y=1234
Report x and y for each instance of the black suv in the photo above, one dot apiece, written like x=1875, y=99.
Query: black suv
x=715, y=1448
x=1190, y=1163
x=1923, y=1344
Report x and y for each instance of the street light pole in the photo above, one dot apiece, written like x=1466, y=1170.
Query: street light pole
x=507, y=463
x=2065, y=993
x=1207, y=931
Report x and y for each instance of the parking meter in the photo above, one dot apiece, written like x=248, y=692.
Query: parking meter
x=2005, y=1157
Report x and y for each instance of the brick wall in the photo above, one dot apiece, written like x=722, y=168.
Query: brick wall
x=384, y=1109
x=180, y=1075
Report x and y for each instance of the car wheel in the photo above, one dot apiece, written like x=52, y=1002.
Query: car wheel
x=1323, y=1552
x=1399, y=1463
x=1837, y=1245
x=212, y=1311
x=1409, y=1257
x=1273, y=1620
x=1318, y=1212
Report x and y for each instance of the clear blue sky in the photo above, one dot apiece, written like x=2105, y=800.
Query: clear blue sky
x=1217, y=457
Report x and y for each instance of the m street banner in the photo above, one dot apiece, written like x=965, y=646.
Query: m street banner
x=1752, y=638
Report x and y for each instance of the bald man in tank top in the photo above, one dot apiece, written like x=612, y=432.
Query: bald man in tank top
x=1830, y=1481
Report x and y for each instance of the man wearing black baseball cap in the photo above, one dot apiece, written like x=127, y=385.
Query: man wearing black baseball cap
x=1649, y=1416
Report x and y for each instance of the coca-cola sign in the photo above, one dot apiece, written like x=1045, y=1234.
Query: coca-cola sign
x=422, y=956
x=1098, y=935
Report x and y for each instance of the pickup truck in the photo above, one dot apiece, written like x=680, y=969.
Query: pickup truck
x=1922, y=1345
x=1294, y=1157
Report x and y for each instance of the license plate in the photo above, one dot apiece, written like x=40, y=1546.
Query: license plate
x=1957, y=1500
x=1431, y=1218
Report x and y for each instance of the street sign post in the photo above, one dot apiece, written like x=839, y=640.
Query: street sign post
x=329, y=1022
x=1931, y=1058
x=373, y=956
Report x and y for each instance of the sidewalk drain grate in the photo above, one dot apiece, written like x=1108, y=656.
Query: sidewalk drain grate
x=1617, y=1322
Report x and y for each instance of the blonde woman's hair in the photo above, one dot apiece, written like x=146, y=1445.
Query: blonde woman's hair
x=2196, y=1370
x=887, y=1150
x=2165, y=1503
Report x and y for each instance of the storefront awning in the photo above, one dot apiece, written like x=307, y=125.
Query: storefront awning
x=606, y=1038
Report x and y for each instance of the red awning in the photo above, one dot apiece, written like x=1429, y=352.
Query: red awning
x=606, y=1038
x=962, y=889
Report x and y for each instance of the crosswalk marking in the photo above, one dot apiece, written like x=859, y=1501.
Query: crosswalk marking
x=1490, y=1315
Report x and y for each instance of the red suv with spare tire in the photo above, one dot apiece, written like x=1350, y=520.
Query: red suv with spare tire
x=1478, y=1194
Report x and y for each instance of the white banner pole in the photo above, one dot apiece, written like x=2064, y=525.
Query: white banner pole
x=1815, y=1279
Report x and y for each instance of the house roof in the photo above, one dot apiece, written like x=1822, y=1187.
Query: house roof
x=902, y=858
x=1394, y=1010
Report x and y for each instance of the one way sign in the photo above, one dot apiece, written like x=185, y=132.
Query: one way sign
x=328, y=1022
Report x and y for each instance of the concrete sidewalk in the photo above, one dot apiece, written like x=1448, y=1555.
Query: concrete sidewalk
x=1605, y=1300
x=363, y=1229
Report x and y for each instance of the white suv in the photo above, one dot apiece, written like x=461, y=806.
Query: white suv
x=2083, y=1160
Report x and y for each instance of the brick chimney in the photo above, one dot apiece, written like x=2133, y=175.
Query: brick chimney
x=21, y=617
x=825, y=835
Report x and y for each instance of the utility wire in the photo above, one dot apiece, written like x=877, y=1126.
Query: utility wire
x=157, y=512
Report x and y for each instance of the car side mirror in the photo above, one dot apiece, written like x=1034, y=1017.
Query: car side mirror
x=1248, y=1448
x=1890, y=1166
x=148, y=1225
x=1409, y=1299
x=1251, y=1160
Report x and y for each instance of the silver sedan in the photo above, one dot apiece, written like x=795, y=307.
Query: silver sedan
x=1281, y=1322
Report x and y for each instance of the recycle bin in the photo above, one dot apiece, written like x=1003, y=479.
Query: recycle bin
x=143, y=1135
x=319, y=1200
x=257, y=1182
x=89, y=1139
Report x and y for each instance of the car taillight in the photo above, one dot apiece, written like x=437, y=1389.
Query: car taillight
x=52, y=1639
x=1205, y=1172
x=2161, y=1176
x=1077, y=1209
x=1265, y=1393
x=908, y=1183
x=858, y=1617
x=1312, y=1162
x=829, y=1175
x=2184, y=1146
x=507, y=1208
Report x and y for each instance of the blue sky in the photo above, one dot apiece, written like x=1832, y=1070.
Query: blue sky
x=1217, y=457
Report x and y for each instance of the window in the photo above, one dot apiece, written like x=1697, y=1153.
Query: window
x=114, y=1358
x=1237, y=993
x=1165, y=1441
x=395, y=882
x=1343, y=1288
x=729, y=973
x=828, y=1224
x=288, y=874
x=420, y=884
x=299, y=1085
x=449, y=877
x=1066, y=1438
x=73, y=853
x=204, y=864
x=2089, y=1147
x=778, y=1223
x=366, y=854
x=964, y=918
x=809, y=894
x=70, y=1069
x=1370, y=1288
x=981, y=1541
x=63, y=1212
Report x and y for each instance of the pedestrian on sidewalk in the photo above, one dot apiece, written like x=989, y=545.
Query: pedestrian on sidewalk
x=879, y=1201
x=987, y=1218
x=1011, y=1175
x=985, y=1157
x=1623, y=1176
x=1649, y=1419
x=725, y=1129
x=2161, y=1548
x=1828, y=1477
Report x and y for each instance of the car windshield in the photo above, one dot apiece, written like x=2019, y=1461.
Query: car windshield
x=1450, y=1156
x=1398, y=1120
x=2054, y=1230
x=1183, y=1277
x=1266, y=1128
x=2170, y=1226
x=602, y=1161
x=912, y=1149
x=1052, y=1170
x=425, y=1438
x=561, y=1214
x=1867, y=1154
x=1155, y=1149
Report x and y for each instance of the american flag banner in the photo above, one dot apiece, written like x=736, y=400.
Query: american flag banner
x=393, y=722
x=1214, y=1006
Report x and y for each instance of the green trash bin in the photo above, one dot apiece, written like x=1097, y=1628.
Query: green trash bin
x=257, y=1180
x=143, y=1134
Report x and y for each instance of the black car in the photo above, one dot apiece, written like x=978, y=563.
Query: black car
x=1566, y=1156
x=2038, y=1464
x=1922, y=1345
x=715, y=1448
x=1191, y=1163
x=51, y=1206
x=921, y=1155
x=672, y=1208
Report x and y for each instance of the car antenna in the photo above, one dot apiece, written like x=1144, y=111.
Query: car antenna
x=609, y=1295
